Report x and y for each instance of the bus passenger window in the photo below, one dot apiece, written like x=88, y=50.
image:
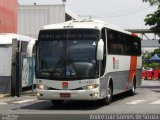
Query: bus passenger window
x=115, y=42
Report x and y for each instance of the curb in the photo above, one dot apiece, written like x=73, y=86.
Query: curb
x=28, y=93
x=4, y=95
x=23, y=94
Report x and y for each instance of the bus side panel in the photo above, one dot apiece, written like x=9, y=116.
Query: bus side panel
x=120, y=81
x=118, y=69
x=103, y=86
x=139, y=71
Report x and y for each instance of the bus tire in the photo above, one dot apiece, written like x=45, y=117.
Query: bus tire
x=133, y=90
x=57, y=102
x=108, y=99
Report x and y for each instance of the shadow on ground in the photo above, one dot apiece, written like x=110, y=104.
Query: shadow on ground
x=73, y=105
x=151, y=87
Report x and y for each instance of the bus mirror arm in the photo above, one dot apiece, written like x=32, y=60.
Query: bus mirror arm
x=100, y=50
x=36, y=45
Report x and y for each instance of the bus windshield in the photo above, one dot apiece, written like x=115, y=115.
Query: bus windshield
x=67, y=54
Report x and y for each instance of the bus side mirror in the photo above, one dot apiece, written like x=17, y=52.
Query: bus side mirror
x=100, y=50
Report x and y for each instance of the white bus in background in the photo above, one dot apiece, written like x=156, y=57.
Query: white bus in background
x=86, y=60
x=5, y=63
x=28, y=68
x=27, y=44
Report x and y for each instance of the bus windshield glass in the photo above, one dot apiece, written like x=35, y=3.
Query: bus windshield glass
x=67, y=54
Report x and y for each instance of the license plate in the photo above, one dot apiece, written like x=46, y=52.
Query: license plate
x=65, y=95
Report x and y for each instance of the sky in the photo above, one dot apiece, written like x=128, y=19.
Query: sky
x=128, y=14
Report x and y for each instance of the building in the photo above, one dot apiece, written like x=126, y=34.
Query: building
x=149, y=45
x=25, y=20
x=8, y=24
x=8, y=16
x=31, y=18
x=150, y=40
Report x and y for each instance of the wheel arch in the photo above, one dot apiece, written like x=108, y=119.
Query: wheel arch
x=134, y=81
x=110, y=81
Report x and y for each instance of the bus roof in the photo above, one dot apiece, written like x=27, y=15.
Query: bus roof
x=5, y=40
x=4, y=37
x=85, y=23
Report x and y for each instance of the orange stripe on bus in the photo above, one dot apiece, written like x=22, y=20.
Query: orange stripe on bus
x=133, y=66
x=132, y=71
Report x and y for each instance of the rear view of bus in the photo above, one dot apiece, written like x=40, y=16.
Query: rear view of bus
x=71, y=63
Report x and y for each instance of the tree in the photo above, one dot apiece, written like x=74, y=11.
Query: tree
x=146, y=55
x=157, y=51
x=153, y=2
x=153, y=19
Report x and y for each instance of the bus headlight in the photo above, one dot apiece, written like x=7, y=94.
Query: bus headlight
x=42, y=87
x=88, y=87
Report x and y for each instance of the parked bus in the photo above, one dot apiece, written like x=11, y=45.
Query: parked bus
x=86, y=60
x=12, y=46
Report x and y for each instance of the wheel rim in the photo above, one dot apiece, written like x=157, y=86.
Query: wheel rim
x=133, y=88
x=109, y=93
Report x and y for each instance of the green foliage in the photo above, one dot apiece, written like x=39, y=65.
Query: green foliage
x=147, y=55
x=153, y=2
x=154, y=65
x=153, y=19
x=157, y=51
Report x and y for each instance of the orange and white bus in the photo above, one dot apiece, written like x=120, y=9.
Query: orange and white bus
x=86, y=60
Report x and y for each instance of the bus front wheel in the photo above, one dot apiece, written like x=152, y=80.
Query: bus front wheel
x=108, y=99
x=133, y=90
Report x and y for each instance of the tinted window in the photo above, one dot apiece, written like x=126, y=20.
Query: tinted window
x=123, y=44
x=67, y=54
x=115, y=42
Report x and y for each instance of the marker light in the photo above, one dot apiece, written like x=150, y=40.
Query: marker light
x=42, y=87
x=88, y=87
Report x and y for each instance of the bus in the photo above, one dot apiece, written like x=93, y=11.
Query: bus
x=86, y=60
x=16, y=54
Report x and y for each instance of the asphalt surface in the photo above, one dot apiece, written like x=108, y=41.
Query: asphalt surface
x=145, y=102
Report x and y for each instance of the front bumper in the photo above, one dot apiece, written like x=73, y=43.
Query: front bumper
x=74, y=94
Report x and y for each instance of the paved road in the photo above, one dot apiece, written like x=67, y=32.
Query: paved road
x=146, y=101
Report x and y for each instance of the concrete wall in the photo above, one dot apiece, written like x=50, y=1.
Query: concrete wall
x=8, y=16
